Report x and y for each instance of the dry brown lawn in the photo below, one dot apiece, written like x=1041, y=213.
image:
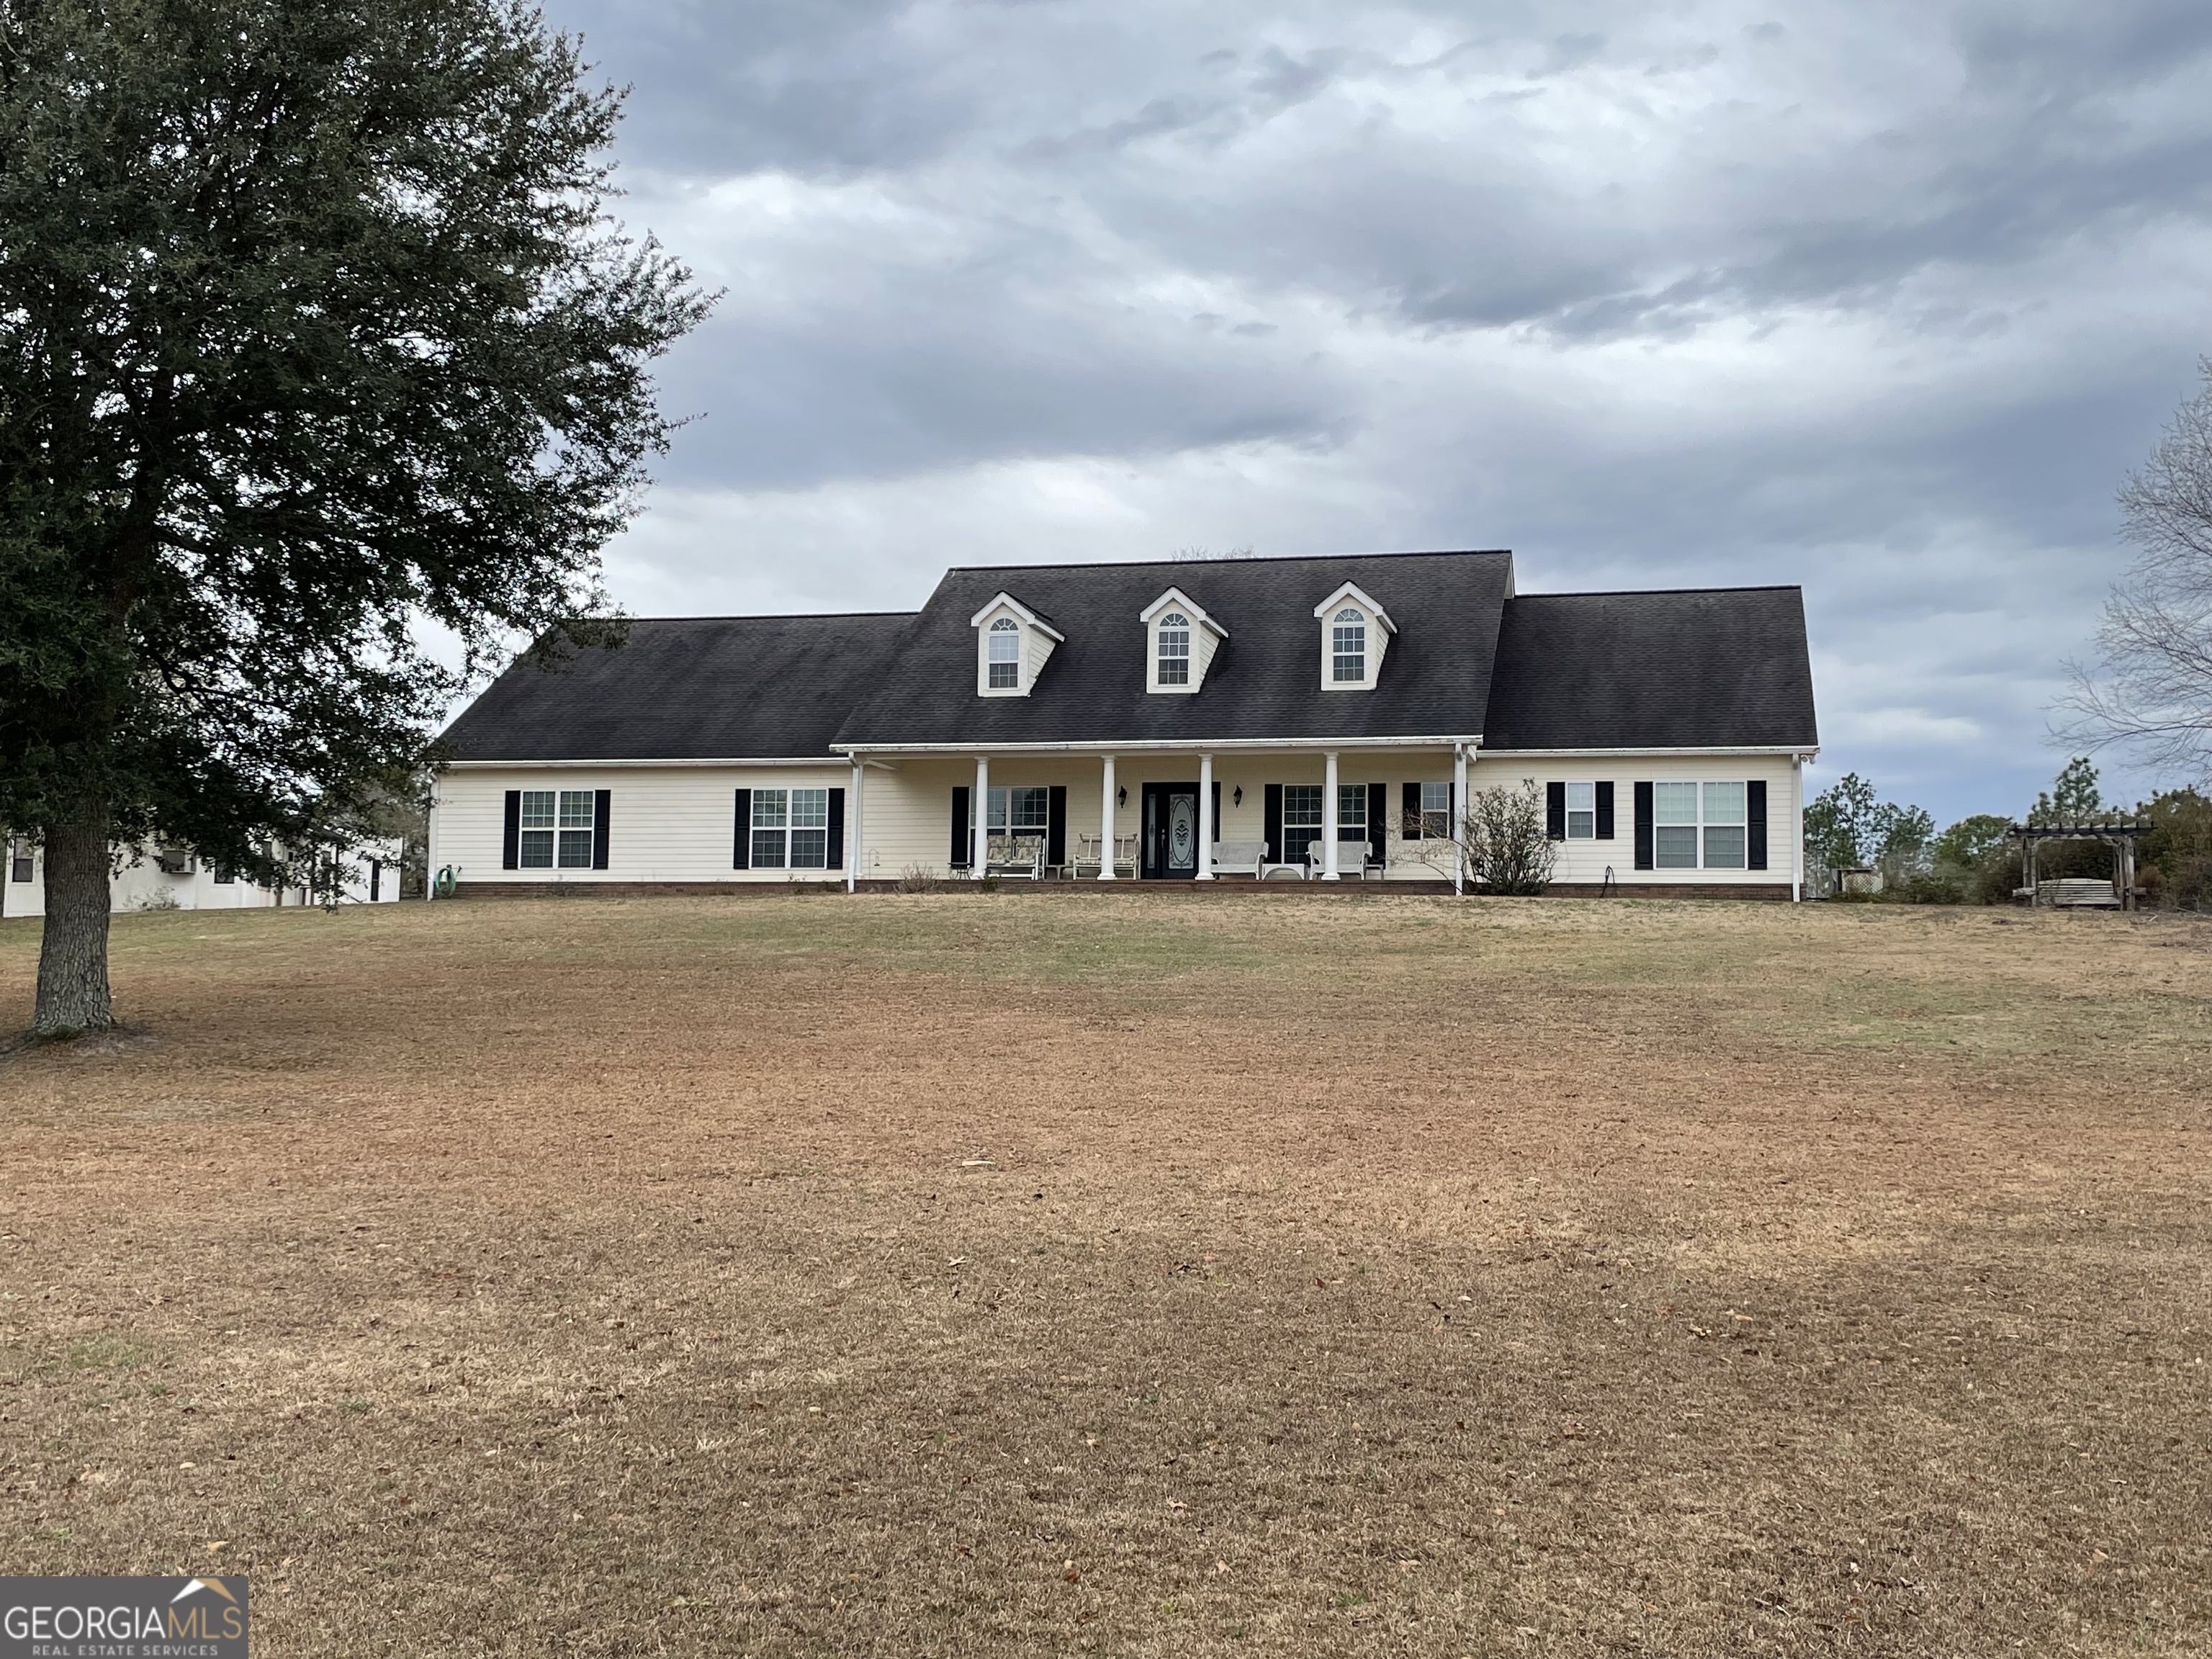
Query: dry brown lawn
x=1013, y=1274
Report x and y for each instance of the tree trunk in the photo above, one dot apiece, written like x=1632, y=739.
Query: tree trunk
x=73, y=950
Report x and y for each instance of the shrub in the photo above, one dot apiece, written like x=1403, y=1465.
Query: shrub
x=1508, y=850
x=916, y=878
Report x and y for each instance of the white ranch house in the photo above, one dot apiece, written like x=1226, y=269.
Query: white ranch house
x=1285, y=719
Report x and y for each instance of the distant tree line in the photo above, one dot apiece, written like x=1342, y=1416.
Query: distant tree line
x=1847, y=826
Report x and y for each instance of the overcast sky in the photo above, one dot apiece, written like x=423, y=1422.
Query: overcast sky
x=1880, y=298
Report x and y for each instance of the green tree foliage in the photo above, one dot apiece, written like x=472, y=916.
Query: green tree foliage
x=315, y=336
x=2073, y=798
x=1901, y=835
x=1839, y=822
x=1970, y=843
x=2176, y=857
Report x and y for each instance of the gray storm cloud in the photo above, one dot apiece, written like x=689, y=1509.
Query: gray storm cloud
x=1884, y=299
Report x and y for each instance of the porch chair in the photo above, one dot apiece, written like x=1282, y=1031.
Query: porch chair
x=1021, y=857
x=1085, y=862
x=1239, y=858
x=1352, y=859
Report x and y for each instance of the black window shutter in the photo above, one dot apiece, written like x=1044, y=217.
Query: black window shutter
x=963, y=847
x=1605, y=810
x=1272, y=826
x=1055, y=825
x=1412, y=796
x=1217, y=815
x=742, y=857
x=837, y=853
x=510, y=858
x=1378, y=827
x=602, y=811
x=1644, y=826
x=1754, y=824
x=1555, y=811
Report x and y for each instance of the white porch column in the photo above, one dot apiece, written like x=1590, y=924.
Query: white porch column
x=853, y=865
x=1796, y=829
x=1328, y=871
x=1205, y=829
x=1106, y=822
x=1459, y=817
x=979, y=818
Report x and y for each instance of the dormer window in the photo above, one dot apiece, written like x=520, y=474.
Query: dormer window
x=1180, y=642
x=1011, y=644
x=1174, y=650
x=1355, y=635
x=1005, y=668
x=1349, y=647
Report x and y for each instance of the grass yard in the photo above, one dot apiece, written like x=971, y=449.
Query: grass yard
x=983, y=1274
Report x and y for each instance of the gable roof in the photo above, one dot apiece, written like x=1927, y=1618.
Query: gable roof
x=688, y=688
x=1264, y=681
x=1708, y=668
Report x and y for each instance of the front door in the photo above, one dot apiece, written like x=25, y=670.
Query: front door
x=1170, y=840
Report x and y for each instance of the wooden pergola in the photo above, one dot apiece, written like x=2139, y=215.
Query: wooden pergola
x=2120, y=837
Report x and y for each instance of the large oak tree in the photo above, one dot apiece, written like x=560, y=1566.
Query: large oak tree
x=317, y=341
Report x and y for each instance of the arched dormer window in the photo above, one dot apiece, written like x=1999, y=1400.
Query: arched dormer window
x=1005, y=655
x=1174, y=650
x=1348, y=648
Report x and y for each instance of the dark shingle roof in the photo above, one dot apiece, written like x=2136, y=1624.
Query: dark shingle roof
x=1265, y=681
x=1717, y=668
x=688, y=688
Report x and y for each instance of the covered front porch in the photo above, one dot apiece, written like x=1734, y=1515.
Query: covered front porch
x=1347, y=811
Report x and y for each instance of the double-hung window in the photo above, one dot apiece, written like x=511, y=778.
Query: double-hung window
x=1351, y=810
x=1348, y=648
x=1020, y=811
x=1724, y=819
x=1436, y=811
x=1675, y=826
x=791, y=829
x=555, y=829
x=1174, y=650
x=19, y=858
x=1581, y=812
x=1698, y=826
x=1006, y=650
x=1301, y=820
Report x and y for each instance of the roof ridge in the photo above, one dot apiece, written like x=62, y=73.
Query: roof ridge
x=1645, y=592
x=1270, y=558
x=770, y=615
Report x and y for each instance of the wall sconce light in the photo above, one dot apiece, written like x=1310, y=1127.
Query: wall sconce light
x=1121, y=796
x=1237, y=794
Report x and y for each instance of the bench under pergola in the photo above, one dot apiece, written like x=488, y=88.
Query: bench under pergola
x=2120, y=837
